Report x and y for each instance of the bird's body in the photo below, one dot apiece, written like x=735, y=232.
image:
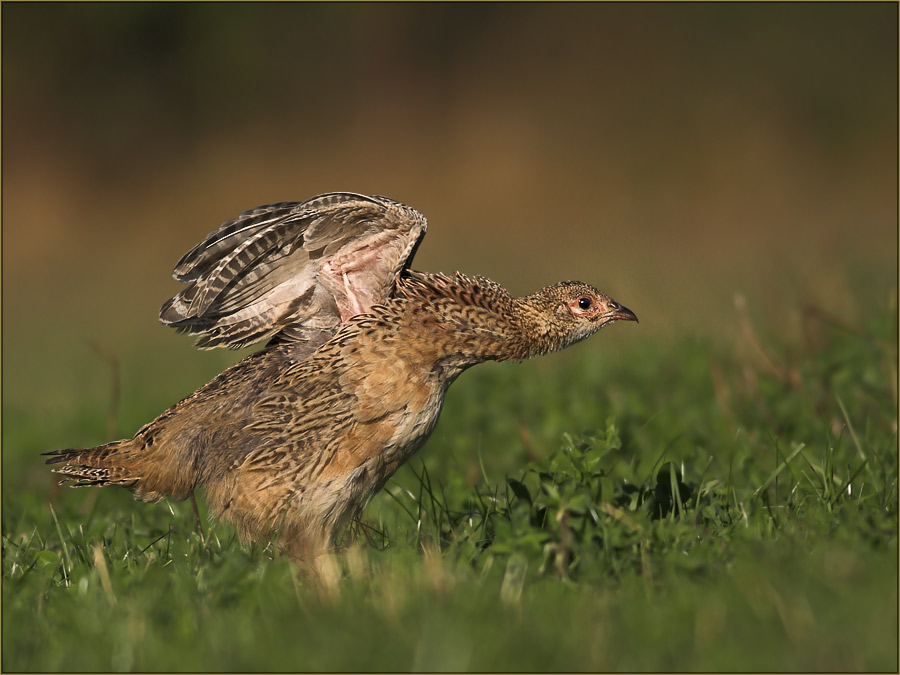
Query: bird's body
x=296, y=443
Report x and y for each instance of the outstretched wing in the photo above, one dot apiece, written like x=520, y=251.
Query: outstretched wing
x=295, y=270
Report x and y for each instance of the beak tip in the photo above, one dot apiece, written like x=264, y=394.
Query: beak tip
x=626, y=314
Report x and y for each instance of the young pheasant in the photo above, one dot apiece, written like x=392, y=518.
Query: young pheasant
x=293, y=443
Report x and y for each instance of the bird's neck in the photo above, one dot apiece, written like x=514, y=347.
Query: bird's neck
x=468, y=321
x=514, y=330
x=536, y=320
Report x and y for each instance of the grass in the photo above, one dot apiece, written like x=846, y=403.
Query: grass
x=667, y=506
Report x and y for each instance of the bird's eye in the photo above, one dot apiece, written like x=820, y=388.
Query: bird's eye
x=584, y=303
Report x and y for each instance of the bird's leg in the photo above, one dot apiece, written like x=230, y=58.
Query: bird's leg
x=197, y=519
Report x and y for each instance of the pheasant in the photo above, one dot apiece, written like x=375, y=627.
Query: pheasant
x=296, y=438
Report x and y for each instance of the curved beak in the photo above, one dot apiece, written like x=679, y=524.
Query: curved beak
x=625, y=314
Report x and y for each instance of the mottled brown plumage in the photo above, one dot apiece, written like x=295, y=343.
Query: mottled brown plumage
x=298, y=444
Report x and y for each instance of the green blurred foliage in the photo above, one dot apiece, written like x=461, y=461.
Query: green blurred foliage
x=152, y=78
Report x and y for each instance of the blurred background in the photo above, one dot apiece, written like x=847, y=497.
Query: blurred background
x=675, y=155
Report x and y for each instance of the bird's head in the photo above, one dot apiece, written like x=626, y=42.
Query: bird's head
x=568, y=312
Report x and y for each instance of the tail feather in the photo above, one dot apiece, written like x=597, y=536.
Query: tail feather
x=93, y=466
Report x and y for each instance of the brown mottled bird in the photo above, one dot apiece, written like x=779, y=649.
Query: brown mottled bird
x=296, y=438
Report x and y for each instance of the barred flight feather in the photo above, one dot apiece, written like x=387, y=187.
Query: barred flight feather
x=243, y=276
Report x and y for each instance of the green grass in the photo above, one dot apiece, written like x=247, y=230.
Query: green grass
x=630, y=505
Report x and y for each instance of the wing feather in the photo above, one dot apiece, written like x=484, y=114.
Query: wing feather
x=294, y=270
x=227, y=236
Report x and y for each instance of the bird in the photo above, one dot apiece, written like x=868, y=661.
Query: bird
x=291, y=442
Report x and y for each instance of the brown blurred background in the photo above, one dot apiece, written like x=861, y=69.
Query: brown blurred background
x=672, y=154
